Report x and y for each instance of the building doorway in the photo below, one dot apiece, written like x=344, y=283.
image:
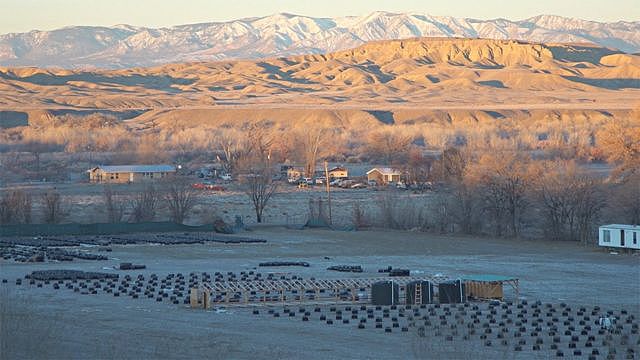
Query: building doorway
x=621, y=237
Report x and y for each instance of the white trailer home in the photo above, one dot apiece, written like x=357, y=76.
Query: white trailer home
x=620, y=236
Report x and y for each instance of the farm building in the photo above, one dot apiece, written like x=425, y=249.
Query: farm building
x=619, y=236
x=383, y=175
x=129, y=173
x=295, y=173
x=338, y=172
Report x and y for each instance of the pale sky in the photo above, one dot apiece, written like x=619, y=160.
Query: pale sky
x=25, y=15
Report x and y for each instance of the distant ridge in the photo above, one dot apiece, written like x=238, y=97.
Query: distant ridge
x=283, y=34
x=437, y=71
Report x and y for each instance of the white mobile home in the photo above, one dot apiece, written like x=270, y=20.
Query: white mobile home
x=620, y=236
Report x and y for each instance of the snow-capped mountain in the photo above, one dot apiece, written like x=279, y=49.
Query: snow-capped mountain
x=285, y=34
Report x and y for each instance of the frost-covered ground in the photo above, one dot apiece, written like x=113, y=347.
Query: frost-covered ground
x=64, y=324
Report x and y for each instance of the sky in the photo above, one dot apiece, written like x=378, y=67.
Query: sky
x=26, y=15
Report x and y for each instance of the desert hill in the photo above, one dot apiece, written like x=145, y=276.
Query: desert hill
x=423, y=73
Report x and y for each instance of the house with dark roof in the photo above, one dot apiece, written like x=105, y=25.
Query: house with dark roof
x=129, y=173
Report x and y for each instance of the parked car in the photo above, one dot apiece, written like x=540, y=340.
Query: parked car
x=358, y=186
x=225, y=177
x=335, y=182
x=346, y=183
x=372, y=183
x=320, y=180
x=309, y=181
x=401, y=186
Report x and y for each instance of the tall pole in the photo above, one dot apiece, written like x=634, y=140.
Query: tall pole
x=326, y=172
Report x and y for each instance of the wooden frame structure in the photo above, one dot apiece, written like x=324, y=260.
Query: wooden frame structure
x=293, y=291
x=296, y=291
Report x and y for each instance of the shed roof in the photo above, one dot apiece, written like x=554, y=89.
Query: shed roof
x=621, y=227
x=135, y=168
x=384, y=171
x=487, y=277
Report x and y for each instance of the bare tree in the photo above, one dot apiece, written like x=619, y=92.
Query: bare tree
x=359, y=216
x=388, y=145
x=466, y=208
x=625, y=201
x=180, y=198
x=259, y=187
x=54, y=207
x=570, y=202
x=37, y=148
x=504, y=180
x=312, y=139
x=114, y=204
x=145, y=204
x=621, y=146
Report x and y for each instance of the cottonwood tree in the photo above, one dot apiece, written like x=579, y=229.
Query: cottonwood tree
x=621, y=145
x=625, y=201
x=15, y=207
x=569, y=201
x=232, y=150
x=418, y=166
x=466, y=207
x=388, y=145
x=54, y=207
x=145, y=204
x=259, y=187
x=180, y=198
x=37, y=148
x=312, y=139
x=114, y=204
x=504, y=180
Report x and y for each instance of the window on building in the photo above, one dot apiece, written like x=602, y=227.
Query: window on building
x=606, y=236
x=112, y=176
x=635, y=238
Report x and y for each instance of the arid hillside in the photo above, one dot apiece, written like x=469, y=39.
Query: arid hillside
x=435, y=73
x=470, y=91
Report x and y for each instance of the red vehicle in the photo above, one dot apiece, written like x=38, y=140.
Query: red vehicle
x=207, y=186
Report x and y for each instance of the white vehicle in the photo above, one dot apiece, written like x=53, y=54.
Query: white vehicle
x=309, y=181
x=225, y=177
x=346, y=183
x=335, y=182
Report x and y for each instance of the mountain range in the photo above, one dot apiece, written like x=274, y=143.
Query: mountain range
x=280, y=35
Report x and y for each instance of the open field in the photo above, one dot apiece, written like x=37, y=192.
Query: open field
x=101, y=326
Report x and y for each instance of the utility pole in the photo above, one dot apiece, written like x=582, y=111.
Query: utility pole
x=326, y=172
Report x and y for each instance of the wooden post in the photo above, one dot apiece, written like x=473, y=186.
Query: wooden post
x=326, y=171
x=193, y=298
x=206, y=300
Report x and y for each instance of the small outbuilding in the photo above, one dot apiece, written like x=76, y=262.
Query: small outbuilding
x=619, y=236
x=129, y=173
x=383, y=175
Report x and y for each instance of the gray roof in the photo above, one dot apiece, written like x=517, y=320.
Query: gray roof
x=136, y=168
x=385, y=171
